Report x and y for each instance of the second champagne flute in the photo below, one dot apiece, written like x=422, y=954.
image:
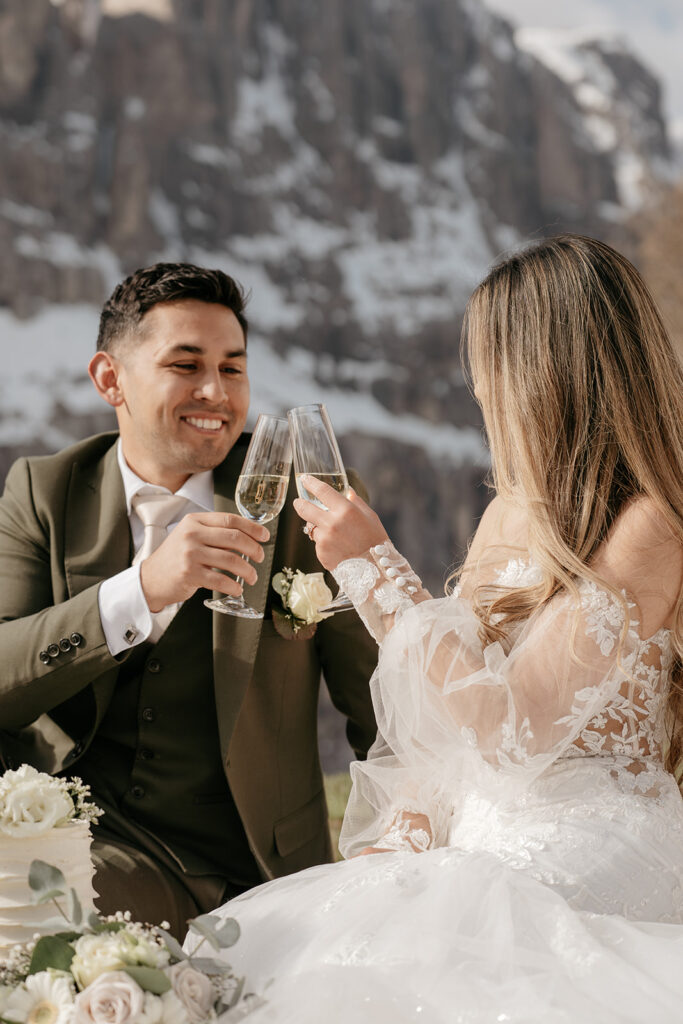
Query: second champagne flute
x=260, y=493
x=315, y=451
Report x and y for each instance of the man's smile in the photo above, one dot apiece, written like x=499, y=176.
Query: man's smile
x=206, y=424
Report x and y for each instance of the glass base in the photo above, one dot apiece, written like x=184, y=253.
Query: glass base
x=232, y=606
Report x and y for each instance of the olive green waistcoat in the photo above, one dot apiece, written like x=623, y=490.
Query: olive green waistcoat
x=155, y=763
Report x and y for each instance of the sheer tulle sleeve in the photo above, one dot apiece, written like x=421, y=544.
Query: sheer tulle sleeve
x=452, y=716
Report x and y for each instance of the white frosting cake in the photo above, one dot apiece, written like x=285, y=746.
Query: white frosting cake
x=66, y=847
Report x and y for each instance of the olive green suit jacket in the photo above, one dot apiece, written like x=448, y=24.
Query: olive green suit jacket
x=63, y=530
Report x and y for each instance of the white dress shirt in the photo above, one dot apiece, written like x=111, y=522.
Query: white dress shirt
x=124, y=612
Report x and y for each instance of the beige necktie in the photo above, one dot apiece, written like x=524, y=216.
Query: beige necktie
x=155, y=512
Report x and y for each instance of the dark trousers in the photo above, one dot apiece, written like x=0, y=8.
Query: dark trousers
x=128, y=878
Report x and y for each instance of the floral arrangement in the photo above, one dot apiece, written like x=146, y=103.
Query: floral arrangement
x=302, y=595
x=31, y=802
x=111, y=970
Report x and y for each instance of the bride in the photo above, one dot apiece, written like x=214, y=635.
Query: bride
x=515, y=838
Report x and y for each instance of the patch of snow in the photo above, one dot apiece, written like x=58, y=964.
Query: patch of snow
x=162, y=10
x=165, y=218
x=50, y=354
x=264, y=102
x=324, y=100
x=269, y=309
x=64, y=250
x=135, y=108
x=212, y=156
x=27, y=216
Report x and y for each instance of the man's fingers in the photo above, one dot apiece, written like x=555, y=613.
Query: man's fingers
x=230, y=540
x=230, y=521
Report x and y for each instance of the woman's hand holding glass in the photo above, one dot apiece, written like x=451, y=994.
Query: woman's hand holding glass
x=343, y=526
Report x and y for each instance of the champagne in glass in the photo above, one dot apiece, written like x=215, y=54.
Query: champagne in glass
x=316, y=452
x=260, y=493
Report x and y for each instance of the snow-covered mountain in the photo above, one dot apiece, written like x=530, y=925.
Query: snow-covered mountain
x=357, y=165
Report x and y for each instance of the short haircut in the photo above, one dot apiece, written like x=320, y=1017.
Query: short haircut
x=124, y=310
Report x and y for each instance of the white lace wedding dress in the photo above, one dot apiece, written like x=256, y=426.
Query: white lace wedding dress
x=536, y=841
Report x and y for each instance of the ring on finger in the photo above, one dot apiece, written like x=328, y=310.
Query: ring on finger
x=308, y=528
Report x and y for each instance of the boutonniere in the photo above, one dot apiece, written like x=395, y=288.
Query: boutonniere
x=302, y=594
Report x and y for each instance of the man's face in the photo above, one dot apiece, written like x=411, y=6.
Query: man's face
x=184, y=390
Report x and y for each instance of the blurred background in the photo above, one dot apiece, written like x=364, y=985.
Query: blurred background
x=357, y=165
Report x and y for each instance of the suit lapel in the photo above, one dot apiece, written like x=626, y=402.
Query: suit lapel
x=235, y=640
x=97, y=539
x=97, y=542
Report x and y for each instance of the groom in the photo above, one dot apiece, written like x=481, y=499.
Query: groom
x=196, y=731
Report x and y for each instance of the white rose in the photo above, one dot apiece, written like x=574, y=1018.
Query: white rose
x=32, y=802
x=114, y=998
x=194, y=990
x=95, y=955
x=307, y=594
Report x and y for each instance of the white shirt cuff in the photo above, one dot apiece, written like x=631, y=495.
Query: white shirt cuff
x=124, y=612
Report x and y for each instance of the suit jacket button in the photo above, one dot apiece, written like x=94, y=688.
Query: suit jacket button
x=52, y=650
x=146, y=754
x=65, y=644
x=154, y=665
x=148, y=714
x=76, y=639
x=44, y=657
x=137, y=792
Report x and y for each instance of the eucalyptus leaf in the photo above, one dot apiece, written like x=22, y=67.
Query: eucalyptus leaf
x=74, y=908
x=51, y=951
x=42, y=876
x=47, y=896
x=228, y=933
x=207, y=965
x=93, y=922
x=205, y=925
x=172, y=945
x=150, y=979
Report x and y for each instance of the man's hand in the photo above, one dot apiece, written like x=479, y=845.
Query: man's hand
x=193, y=553
x=347, y=527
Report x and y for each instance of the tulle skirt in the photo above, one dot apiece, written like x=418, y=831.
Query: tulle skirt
x=446, y=937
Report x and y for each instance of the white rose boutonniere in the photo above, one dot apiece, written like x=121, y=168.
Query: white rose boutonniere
x=302, y=595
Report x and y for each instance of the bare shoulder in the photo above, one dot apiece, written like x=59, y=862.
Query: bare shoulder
x=643, y=556
x=502, y=529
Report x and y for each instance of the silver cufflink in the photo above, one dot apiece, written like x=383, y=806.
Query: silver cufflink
x=130, y=635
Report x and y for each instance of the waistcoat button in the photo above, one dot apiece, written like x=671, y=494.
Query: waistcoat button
x=137, y=792
x=148, y=714
x=154, y=665
x=146, y=754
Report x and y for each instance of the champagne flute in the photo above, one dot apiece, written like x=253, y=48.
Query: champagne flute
x=316, y=452
x=260, y=493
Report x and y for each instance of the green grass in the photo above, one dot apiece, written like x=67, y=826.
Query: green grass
x=337, y=789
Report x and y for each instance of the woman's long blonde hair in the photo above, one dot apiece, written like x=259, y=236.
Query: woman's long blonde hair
x=582, y=395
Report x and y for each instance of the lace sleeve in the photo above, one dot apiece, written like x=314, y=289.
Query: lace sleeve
x=381, y=585
x=455, y=717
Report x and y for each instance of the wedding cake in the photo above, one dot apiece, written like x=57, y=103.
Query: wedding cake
x=45, y=819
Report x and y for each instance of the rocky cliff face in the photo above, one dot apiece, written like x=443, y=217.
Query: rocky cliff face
x=356, y=165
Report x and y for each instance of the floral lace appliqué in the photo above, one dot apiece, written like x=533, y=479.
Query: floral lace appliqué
x=356, y=577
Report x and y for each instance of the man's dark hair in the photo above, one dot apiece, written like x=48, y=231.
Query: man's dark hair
x=123, y=311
